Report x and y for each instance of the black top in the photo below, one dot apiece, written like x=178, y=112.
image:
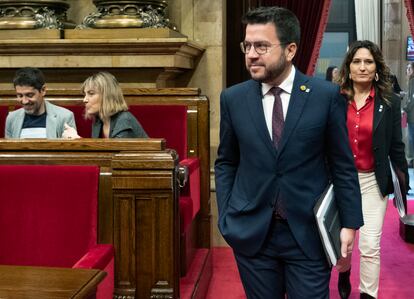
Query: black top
x=34, y=121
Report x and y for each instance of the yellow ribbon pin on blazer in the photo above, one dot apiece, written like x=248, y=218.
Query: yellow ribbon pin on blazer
x=304, y=88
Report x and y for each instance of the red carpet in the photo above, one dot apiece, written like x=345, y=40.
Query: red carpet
x=225, y=282
x=397, y=267
x=188, y=282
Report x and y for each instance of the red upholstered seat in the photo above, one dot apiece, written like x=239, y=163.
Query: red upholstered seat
x=159, y=121
x=3, y=114
x=170, y=122
x=48, y=217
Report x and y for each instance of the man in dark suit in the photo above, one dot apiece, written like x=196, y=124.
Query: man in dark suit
x=282, y=135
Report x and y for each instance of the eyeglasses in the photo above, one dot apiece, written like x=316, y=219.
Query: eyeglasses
x=261, y=48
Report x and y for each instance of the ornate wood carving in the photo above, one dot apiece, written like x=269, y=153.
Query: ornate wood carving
x=162, y=291
x=127, y=14
x=148, y=62
x=34, y=14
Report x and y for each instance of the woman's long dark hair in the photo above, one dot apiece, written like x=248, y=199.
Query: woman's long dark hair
x=383, y=87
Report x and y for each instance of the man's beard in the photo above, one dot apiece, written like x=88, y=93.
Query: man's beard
x=32, y=109
x=272, y=72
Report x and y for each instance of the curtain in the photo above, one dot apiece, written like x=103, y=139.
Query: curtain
x=409, y=4
x=367, y=17
x=313, y=17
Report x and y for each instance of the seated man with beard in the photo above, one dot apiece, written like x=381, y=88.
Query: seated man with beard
x=37, y=118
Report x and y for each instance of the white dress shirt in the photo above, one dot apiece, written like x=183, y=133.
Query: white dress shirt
x=268, y=98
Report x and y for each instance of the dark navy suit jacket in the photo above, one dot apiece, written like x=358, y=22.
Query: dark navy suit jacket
x=387, y=143
x=250, y=171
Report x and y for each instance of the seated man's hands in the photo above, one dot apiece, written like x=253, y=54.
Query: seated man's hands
x=70, y=133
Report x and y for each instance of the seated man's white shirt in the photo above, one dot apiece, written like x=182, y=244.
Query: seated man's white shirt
x=34, y=126
x=33, y=133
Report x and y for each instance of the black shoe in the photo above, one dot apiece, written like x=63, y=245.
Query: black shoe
x=366, y=296
x=344, y=284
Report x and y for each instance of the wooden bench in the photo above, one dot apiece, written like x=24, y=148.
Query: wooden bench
x=138, y=204
x=197, y=234
x=159, y=111
x=49, y=218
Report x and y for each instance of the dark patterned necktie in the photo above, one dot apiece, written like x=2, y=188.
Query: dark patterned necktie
x=278, y=123
x=277, y=116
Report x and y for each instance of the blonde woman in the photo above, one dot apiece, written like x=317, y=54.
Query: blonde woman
x=105, y=104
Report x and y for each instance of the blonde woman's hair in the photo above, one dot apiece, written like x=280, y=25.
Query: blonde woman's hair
x=111, y=93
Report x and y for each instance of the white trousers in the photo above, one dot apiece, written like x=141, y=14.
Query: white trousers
x=374, y=206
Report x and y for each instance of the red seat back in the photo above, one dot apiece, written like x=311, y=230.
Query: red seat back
x=48, y=214
x=3, y=114
x=159, y=121
x=165, y=121
x=83, y=126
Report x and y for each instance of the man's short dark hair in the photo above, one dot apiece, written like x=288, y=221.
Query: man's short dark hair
x=286, y=23
x=29, y=76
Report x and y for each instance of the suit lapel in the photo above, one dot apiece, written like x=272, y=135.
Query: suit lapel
x=51, y=121
x=379, y=108
x=300, y=93
x=96, y=128
x=19, y=123
x=254, y=101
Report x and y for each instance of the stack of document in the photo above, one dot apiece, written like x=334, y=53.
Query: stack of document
x=329, y=224
x=398, y=195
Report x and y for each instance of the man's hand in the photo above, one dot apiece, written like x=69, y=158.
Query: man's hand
x=70, y=133
x=347, y=241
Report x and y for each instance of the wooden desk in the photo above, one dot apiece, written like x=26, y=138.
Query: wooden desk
x=43, y=282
